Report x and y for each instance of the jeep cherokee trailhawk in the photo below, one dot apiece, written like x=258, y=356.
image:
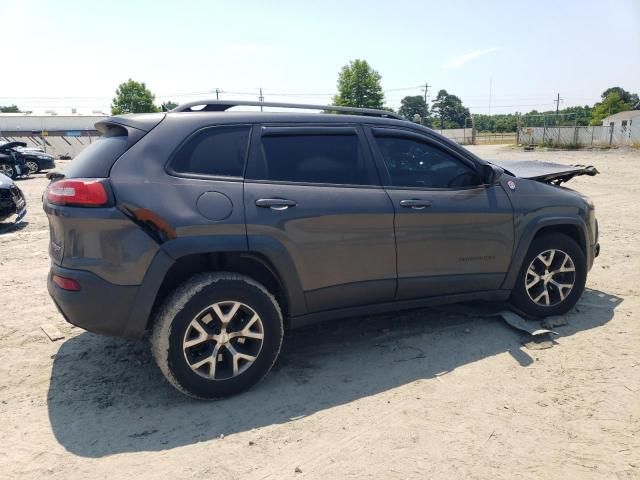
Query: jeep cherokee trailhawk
x=216, y=229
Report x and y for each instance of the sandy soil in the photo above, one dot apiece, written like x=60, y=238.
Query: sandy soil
x=424, y=394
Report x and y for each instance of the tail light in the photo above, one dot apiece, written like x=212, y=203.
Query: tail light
x=66, y=283
x=80, y=192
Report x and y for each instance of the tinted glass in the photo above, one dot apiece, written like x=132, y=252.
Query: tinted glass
x=219, y=151
x=314, y=159
x=96, y=160
x=412, y=163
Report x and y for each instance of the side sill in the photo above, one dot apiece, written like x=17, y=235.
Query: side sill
x=379, y=308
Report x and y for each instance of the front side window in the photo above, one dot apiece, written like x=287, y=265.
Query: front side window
x=333, y=159
x=217, y=151
x=412, y=163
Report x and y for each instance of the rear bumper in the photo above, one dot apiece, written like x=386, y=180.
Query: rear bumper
x=107, y=308
x=99, y=307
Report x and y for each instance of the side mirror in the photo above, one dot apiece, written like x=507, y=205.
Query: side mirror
x=492, y=174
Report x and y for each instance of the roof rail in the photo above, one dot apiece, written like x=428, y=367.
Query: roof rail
x=222, y=105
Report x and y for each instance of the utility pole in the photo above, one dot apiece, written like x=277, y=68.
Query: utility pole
x=426, y=89
x=557, y=102
x=261, y=98
x=217, y=93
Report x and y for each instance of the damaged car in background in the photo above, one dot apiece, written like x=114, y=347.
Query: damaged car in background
x=12, y=162
x=37, y=161
x=34, y=159
x=12, y=201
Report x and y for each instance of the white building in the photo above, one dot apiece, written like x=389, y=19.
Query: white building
x=622, y=120
x=21, y=122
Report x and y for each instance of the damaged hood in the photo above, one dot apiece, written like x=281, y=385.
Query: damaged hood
x=546, y=172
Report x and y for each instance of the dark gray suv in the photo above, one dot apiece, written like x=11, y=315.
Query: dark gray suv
x=216, y=229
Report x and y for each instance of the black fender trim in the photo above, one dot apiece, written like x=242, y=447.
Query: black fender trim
x=285, y=269
x=272, y=254
x=380, y=308
x=146, y=294
x=527, y=237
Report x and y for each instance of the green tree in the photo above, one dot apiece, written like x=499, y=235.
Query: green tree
x=9, y=109
x=414, y=108
x=359, y=86
x=133, y=97
x=578, y=115
x=627, y=97
x=168, y=105
x=611, y=103
x=448, y=111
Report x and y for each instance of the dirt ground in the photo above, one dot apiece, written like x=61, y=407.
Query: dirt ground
x=424, y=394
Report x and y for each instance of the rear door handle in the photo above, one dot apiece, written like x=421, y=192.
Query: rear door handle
x=275, y=203
x=415, y=204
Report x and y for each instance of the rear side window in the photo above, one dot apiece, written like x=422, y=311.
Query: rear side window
x=334, y=159
x=217, y=151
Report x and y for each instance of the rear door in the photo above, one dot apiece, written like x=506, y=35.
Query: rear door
x=453, y=233
x=314, y=190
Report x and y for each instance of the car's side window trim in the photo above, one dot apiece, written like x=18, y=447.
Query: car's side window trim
x=374, y=132
x=227, y=178
x=303, y=130
x=272, y=129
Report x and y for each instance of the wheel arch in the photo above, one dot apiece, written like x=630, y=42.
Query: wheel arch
x=173, y=266
x=574, y=227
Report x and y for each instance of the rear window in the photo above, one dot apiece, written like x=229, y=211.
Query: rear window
x=216, y=151
x=334, y=159
x=96, y=160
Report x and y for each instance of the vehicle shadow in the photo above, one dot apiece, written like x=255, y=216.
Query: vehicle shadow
x=106, y=395
x=12, y=227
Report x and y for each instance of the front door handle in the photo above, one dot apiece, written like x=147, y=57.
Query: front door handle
x=275, y=203
x=415, y=204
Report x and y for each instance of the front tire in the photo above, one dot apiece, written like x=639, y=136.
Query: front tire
x=217, y=335
x=552, y=276
x=8, y=170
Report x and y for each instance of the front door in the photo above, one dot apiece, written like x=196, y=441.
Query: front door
x=315, y=190
x=453, y=233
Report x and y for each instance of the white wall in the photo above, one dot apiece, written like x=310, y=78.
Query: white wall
x=617, y=122
x=586, y=136
x=28, y=123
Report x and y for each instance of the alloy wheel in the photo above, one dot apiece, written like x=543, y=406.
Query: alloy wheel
x=6, y=170
x=223, y=340
x=550, y=278
x=32, y=166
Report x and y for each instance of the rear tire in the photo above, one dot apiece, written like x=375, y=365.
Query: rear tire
x=552, y=276
x=217, y=335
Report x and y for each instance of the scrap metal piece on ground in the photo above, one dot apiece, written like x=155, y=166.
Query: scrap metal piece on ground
x=537, y=342
x=52, y=332
x=557, y=321
x=516, y=321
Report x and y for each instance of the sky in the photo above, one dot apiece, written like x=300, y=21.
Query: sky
x=498, y=57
